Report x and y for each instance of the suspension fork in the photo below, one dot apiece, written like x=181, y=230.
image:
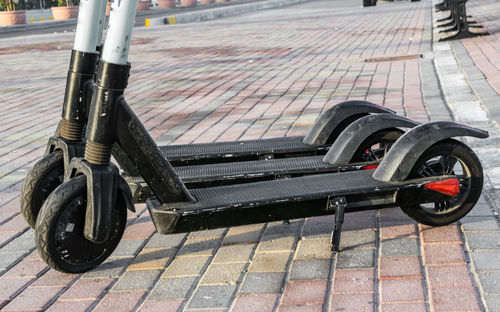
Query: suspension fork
x=82, y=68
x=84, y=58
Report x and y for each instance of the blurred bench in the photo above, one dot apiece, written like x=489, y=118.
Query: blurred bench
x=458, y=21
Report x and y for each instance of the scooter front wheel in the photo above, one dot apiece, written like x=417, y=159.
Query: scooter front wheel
x=448, y=157
x=41, y=180
x=59, y=229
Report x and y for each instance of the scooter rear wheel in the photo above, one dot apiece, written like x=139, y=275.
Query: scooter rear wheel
x=41, y=180
x=59, y=229
x=376, y=146
x=448, y=157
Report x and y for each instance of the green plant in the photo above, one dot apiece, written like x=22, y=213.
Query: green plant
x=8, y=5
x=63, y=3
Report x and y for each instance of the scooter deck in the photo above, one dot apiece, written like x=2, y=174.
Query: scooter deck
x=266, y=201
x=243, y=172
x=190, y=154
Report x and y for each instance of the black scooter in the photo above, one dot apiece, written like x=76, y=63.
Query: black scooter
x=435, y=180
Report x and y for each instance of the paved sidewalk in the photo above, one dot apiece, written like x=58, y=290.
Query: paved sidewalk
x=268, y=74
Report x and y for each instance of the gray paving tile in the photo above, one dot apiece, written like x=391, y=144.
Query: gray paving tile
x=490, y=282
x=493, y=302
x=137, y=280
x=310, y=269
x=357, y=239
x=8, y=259
x=168, y=288
x=483, y=260
x=243, y=234
x=22, y=243
x=111, y=267
x=234, y=253
x=128, y=248
x=165, y=241
x=480, y=210
x=314, y=248
x=263, y=283
x=182, y=266
x=213, y=233
x=480, y=224
x=400, y=247
x=483, y=240
x=317, y=229
x=223, y=273
x=358, y=258
x=276, y=243
x=199, y=246
x=212, y=297
x=281, y=229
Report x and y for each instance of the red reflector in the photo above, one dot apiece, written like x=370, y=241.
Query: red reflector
x=449, y=186
x=367, y=167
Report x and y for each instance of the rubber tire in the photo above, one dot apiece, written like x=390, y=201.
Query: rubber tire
x=47, y=223
x=386, y=134
x=34, y=191
x=465, y=154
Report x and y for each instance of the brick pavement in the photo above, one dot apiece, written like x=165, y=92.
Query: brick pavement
x=264, y=75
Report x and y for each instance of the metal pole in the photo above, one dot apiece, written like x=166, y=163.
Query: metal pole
x=89, y=16
x=121, y=23
x=102, y=19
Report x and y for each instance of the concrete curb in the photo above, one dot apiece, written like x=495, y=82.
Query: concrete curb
x=215, y=13
x=38, y=25
x=48, y=24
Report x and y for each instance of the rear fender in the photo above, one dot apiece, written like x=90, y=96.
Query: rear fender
x=330, y=123
x=397, y=164
x=343, y=149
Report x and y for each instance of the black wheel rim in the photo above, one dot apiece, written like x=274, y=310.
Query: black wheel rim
x=70, y=244
x=446, y=165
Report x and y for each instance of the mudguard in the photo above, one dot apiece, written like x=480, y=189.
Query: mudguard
x=330, y=123
x=346, y=144
x=397, y=164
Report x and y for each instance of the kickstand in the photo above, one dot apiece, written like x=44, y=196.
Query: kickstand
x=339, y=204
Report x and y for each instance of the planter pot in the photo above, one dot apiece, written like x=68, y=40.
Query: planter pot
x=206, y=1
x=64, y=13
x=108, y=8
x=12, y=18
x=143, y=5
x=188, y=3
x=166, y=4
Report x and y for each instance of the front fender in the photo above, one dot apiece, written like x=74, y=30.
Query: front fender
x=397, y=164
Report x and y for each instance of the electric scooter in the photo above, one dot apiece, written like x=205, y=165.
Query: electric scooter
x=69, y=140
x=435, y=179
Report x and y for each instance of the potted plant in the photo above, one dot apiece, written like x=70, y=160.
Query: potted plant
x=166, y=4
x=64, y=10
x=143, y=5
x=9, y=15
